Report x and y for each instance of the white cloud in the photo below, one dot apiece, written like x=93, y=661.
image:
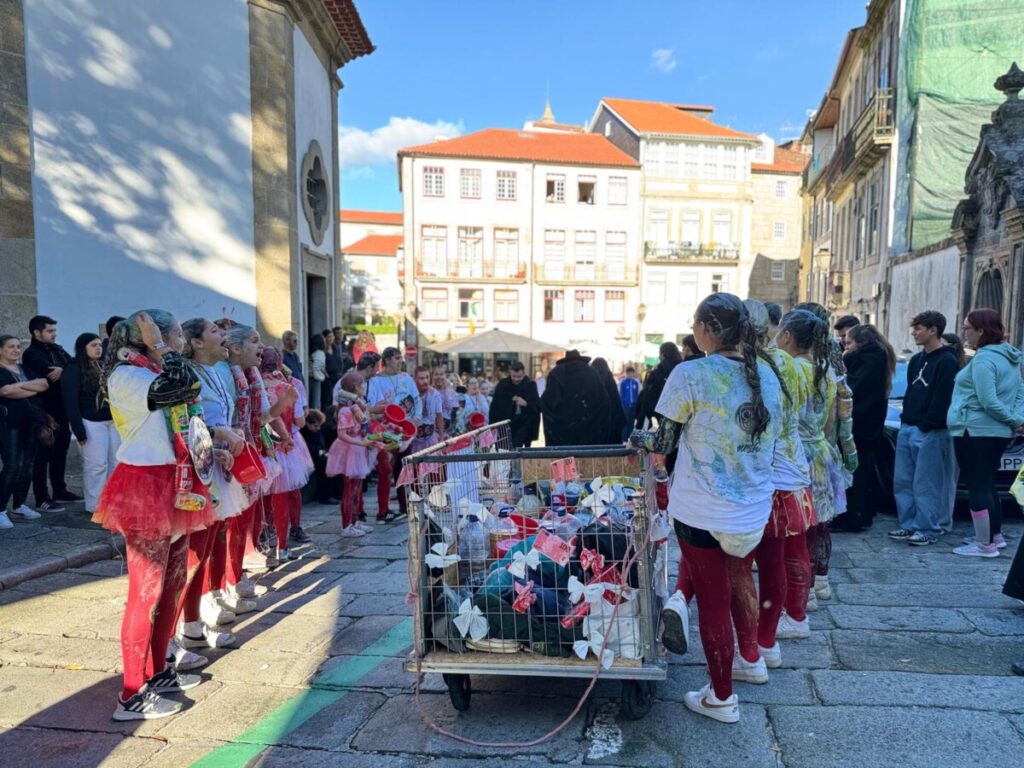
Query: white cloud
x=357, y=147
x=663, y=60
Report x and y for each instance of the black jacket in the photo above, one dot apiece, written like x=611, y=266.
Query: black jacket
x=650, y=393
x=616, y=419
x=867, y=373
x=930, y=378
x=37, y=361
x=526, y=424
x=574, y=404
x=81, y=398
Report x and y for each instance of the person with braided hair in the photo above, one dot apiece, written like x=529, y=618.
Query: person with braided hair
x=721, y=412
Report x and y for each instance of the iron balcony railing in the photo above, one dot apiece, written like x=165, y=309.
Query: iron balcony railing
x=690, y=252
x=582, y=272
x=470, y=269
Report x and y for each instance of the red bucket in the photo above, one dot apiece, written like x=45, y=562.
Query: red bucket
x=407, y=427
x=394, y=413
x=528, y=526
x=248, y=466
x=477, y=420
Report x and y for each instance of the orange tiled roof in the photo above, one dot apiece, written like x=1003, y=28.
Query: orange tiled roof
x=369, y=217
x=786, y=161
x=346, y=18
x=662, y=117
x=374, y=245
x=537, y=146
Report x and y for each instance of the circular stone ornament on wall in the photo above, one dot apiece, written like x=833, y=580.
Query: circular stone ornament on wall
x=316, y=195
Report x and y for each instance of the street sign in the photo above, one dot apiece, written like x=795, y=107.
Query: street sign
x=411, y=351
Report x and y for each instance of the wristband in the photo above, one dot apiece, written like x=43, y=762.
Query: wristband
x=159, y=346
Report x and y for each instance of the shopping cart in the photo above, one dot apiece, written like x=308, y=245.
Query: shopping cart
x=561, y=578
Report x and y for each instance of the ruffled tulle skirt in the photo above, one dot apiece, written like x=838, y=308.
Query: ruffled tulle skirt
x=139, y=502
x=349, y=460
x=231, y=497
x=296, y=467
x=792, y=514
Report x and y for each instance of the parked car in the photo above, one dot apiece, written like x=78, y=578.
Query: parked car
x=1012, y=460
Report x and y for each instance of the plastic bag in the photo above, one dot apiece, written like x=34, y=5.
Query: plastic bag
x=1017, y=488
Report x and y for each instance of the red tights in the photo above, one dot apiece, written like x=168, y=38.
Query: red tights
x=819, y=547
x=384, y=469
x=156, y=576
x=200, y=550
x=284, y=506
x=725, y=598
x=351, y=500
x=784, y=576
x=239, y=534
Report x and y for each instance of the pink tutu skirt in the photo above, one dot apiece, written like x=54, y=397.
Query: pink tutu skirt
x=349, y=460
x=139, y=502
x=296, y=467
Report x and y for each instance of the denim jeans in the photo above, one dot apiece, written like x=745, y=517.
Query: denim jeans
x=924, y=480
x=17, y=452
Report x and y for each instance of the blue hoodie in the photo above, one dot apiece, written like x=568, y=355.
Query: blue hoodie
x=988, y=396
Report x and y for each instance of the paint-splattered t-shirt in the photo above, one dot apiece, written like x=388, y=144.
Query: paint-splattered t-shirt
x=790, y=471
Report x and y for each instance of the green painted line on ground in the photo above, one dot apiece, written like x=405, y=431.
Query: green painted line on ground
x=325, y=691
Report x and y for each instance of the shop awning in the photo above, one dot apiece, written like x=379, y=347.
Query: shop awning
x=492, y=342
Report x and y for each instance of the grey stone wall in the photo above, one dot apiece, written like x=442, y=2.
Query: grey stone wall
x=621, y=136
x=762, y=288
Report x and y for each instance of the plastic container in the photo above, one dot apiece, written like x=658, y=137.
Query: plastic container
x=561, y=523
x=473, y=549
x=394, y=414
x=529, y=504
x=503, y=529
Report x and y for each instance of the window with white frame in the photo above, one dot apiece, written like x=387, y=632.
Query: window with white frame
x=778, y=271
x=688, y=297
x=721, y=229
x=691, y=161
x=729, y=162
x=615, y=306
x=585, y=188
x=780, y=189
x=469, y=183
x=471, y=304
x=779, y=230
x=434, y=303
x=657, y=226
x=710, y=154
x=585, y=253
x=471, y=252
x=690, y=230
x=554, y=254
x=506, y=306
x=615, y=255
x=670, y=160
x=555, y=191
x=434, y=243
x=506, y=253
x=873, y=218
x=433, y=181
x=618, y=190
x=506, y=185
x=554, y=306
x=652, y=158
x=656, y=284
x=583, y=306
x=719, y=283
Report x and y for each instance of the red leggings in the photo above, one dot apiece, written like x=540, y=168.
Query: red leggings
x=283, y=506
x=384, y=469
x=725, y=598
x=200, y=549
x=351, y=500
x=239, y=534
x=218, y=559
x=784, y=576
x=295, y=515
x=819, y=548
x=156, y=576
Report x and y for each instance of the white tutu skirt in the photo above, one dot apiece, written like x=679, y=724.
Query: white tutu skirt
x=231, y=498
x=263, y=487
x=296, y=467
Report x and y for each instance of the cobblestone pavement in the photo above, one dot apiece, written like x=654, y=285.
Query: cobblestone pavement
x=909, y=665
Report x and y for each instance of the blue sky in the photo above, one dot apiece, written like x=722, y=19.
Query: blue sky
x=447, y=67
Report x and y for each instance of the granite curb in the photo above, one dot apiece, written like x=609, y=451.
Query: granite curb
x=75, y=557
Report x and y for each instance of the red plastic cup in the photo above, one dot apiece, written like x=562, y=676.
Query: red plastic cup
x=394, y=413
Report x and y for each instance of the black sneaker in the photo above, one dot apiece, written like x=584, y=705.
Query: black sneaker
x=49, y=505
x=172, y=681
x=920, y=539
x=66, y=496
x=145, y=705
x=299, y=535
x=900, y=534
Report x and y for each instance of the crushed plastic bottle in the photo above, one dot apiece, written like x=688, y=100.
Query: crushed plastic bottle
x=529, y=504
x=561, y=523
x=473, y=549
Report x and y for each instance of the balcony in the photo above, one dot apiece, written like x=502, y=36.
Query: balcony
x=596, y=274
x=690, y=252
x=819, y=162
x=470, y=269
x=862, y=146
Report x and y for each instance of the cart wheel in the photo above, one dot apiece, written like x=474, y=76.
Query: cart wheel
x=637, y=698
x=459, y=690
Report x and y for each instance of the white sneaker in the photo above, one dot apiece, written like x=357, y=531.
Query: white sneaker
x=271, y=559
x=791, y=629
x=5, y=521
x=196, y=634
x=749, y=671
x=675, y=620
x=26, y=512
x=286, y=555
x=704, y=702
x=812, y=601
x=364, y=527
x=977, y=550
x=255, y=562
x=213, y=612
x=237, y=604
x=352, y=532
x=822, y=588
x=249, y=589
x=772, y=656
x=182, y=658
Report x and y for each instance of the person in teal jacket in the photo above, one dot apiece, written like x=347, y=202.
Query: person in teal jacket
x=986, y=411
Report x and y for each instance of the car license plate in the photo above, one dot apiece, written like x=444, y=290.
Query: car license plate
x=1012, y=463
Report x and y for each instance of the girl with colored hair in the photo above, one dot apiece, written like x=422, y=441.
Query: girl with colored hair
x=351, y=455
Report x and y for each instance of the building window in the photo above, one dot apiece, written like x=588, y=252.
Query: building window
x=721, y=229
x=469, y=184
x=761, y=153
x=583, y=307
x=618, y=190
x=585, y=189
x=710, y=161
x=780, y=189
x=316, y=202
x=691, y=228
x=691, y=161
x=585, y=253
x=779, y=230
x=506, y=185
x=435, y=251
x=670, y=165
x=778, y=271
x=729, y=163
x=652, y=158
x=858, y=214
x=554, y=306
x=554, y=254
x=656, y=283
x=506, y=253
x=358, y=294
x=688, y=298
x=615, y=255
x=555, y=192
x=719, y=283
x=615, y=306
x=657, y=226
x=471, y=304
x=873, y=217
x=471, y=252
x=434, y=303
x=506, y=306
x=433, y=181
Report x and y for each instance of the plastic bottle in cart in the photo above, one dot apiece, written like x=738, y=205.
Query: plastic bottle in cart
x=504, y=529
x=561, y=523
x=473, y=547
x=529, y=504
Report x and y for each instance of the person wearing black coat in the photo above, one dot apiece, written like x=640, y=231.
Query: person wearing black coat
x=870, y=364
x=574, y=403
x=515, y=398
x=646, y=406
x=616, y=417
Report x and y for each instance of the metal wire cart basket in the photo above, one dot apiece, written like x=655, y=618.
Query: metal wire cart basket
x=535, y=562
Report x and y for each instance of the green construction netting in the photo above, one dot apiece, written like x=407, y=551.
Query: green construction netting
x=951, y=52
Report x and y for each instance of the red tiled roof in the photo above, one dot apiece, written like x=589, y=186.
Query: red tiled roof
x=786, y=161
x=369, y=217
x=374, y=245
x=346, y=19
x=662, y=117
x=536, y=146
